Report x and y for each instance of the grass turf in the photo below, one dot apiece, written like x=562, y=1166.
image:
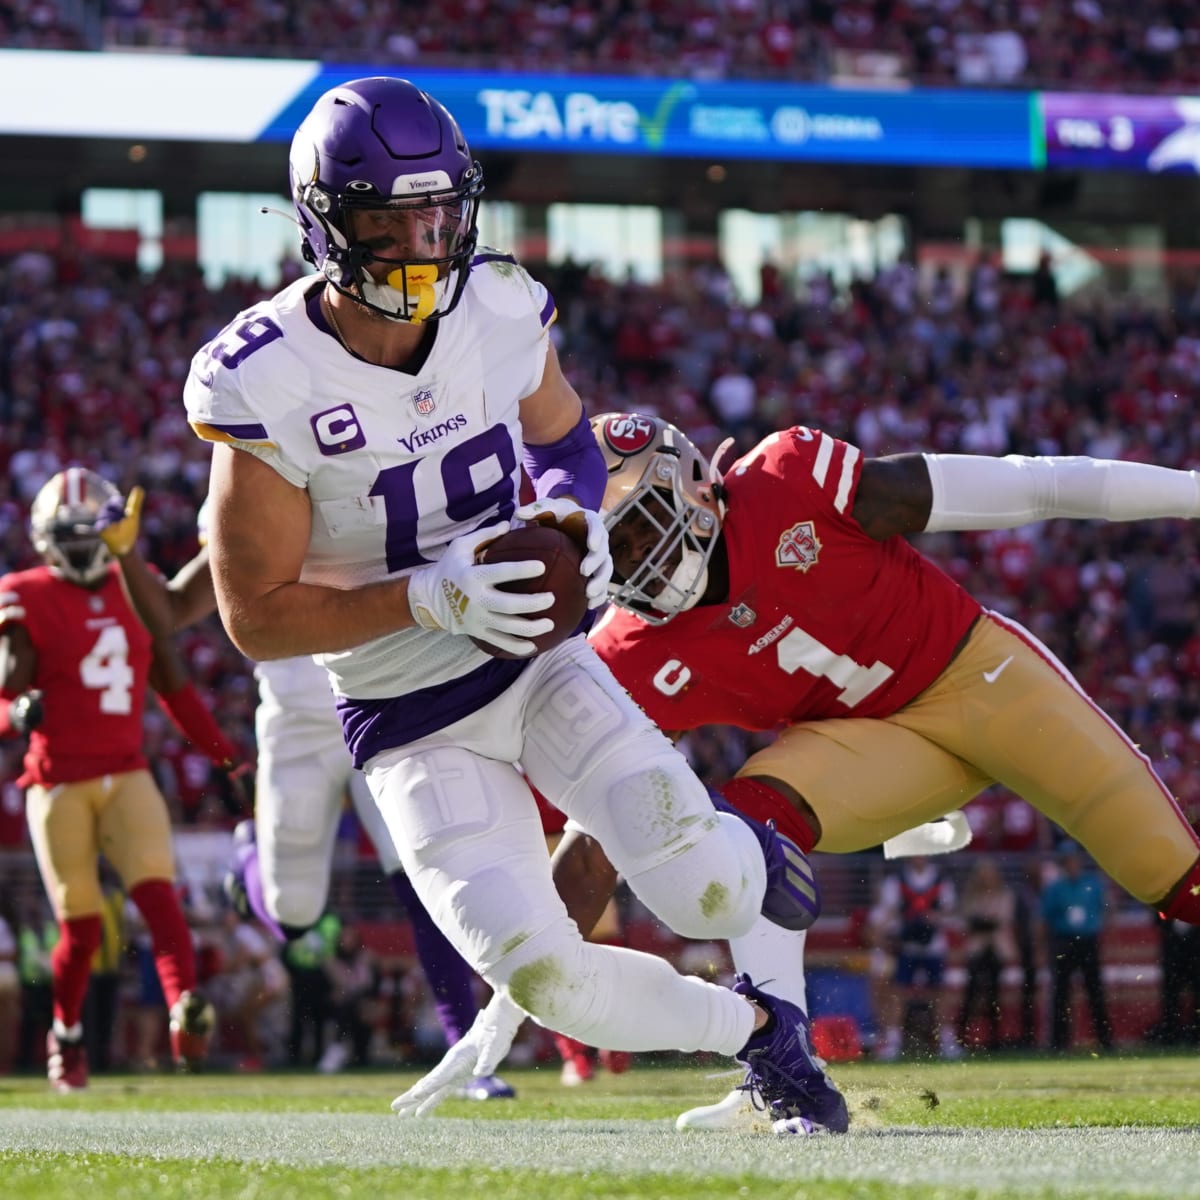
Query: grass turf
x=1124, y=1126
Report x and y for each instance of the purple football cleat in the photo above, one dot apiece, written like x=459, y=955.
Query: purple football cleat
x=782, y=1073
x=243, y=881
x=487, y=1087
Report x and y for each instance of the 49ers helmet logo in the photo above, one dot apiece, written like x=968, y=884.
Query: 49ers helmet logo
x=799, y=547
x=628, y=434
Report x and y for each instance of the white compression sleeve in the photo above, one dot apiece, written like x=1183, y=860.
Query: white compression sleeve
x=977, y=492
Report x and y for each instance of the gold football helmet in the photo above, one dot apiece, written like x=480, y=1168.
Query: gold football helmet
x=656, y=475
x=62, y=521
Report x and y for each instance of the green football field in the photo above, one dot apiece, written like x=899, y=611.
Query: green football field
x=1082, y=1127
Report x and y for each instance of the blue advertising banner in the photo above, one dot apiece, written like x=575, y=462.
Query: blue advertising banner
x=243, y=100
x=680, y=118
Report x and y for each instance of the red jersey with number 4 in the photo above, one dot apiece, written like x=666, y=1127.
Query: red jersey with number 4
x=93, y=665
x=821, y=620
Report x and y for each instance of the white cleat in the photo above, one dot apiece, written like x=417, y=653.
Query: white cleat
x=796, y=1127
x=734, y=1109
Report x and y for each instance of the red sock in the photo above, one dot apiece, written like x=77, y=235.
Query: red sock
x=756, y=799
x=71, y=965
x=568, y=1047
x=174, y=955
x=1186, y=904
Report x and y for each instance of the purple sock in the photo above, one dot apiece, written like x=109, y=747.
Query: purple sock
x=449, y=975
x=246, y=860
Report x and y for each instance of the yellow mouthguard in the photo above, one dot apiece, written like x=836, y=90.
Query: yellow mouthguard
x=417, y=280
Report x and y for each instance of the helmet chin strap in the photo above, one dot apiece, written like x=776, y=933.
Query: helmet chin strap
x=421, y=298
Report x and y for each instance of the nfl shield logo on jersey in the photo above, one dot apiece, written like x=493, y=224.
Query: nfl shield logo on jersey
x=424, y=402
x=743, y=616
x=799, y=547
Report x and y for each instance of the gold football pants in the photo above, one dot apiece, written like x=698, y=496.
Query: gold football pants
x=123, y=817
x=1004, y=711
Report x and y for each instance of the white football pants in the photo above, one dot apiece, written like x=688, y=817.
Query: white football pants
x=468, y=834
x=304, y=771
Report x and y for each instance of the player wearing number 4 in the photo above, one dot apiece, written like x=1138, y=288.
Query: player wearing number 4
x=74, y=667
x=370, y=423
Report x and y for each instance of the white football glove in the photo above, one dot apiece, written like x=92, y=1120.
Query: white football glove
x=586, y=529
x=480, y=1052
x=458, y=595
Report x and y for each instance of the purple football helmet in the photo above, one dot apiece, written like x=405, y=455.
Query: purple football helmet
x=381, y=174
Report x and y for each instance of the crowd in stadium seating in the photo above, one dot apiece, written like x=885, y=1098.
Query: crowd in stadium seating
x=1084, y=44
x=91, y=367
x=91, y=370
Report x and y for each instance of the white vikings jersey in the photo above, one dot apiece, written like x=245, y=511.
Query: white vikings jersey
x=295, y=683
x=396, y=466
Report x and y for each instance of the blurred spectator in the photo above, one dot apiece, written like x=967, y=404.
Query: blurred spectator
x=1179, y=1008
x=1045, y=286
x=1073, y=909
x=144, y=1000
x=10, y=981
x=354, y=980
x=916, y=906
x=104, y=986
x=307, y=961
x=1084, y=44
x=250, y=990
x=37, y=935
x=1029, y=935
x=988, y=910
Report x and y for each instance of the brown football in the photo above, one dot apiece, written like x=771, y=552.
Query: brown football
x=561, y=576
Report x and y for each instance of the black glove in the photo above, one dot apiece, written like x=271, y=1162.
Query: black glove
x=26, y=712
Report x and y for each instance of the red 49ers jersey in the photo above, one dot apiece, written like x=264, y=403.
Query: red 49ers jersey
x=93, y=665
x=821, y=621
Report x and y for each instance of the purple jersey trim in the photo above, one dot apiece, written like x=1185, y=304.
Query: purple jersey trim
x=372, y=726
x=316, y=312
x=493, y=256
x=240, y=433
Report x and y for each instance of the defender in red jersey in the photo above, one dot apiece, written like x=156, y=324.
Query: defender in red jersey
x=780, y=593
x=900, y=697
x=75, y=663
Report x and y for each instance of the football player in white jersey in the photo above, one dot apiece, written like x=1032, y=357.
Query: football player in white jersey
x=370, y=423
x=285, y=854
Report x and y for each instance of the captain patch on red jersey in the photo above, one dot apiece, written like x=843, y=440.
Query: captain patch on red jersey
x=93, y=662
x=821, y=620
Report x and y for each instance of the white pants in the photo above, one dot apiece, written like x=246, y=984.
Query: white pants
x=468, y=834
x=304, y=772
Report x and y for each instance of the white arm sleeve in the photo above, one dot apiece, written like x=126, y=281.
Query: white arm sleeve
x=978, y=492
